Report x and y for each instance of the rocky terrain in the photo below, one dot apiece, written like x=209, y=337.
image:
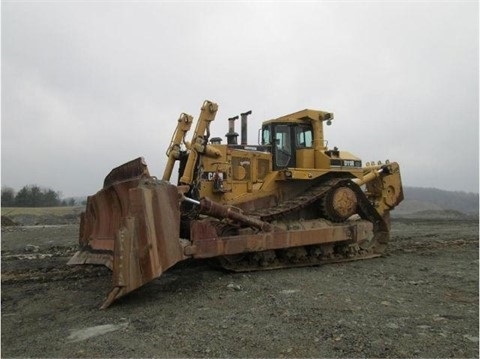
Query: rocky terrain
x=419, y=300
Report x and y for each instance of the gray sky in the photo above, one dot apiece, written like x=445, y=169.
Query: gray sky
x=87, y=86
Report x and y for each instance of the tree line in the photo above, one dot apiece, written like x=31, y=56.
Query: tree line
x=33, y=196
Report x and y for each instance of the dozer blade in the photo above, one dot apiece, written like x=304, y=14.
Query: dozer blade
x=131, y=226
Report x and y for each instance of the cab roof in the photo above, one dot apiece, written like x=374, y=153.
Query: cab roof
x=303, y=116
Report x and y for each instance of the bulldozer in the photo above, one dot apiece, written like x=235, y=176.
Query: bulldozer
x=287, y=201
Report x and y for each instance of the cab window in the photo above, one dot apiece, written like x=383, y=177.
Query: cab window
x=266, y=136
x=303, y=136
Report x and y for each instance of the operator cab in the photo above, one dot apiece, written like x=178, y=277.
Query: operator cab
x=285, y=139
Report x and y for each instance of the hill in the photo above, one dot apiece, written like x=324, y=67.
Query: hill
x=29, y=216
x=430, y=201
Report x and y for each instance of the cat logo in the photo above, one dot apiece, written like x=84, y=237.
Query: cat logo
x=211, y=176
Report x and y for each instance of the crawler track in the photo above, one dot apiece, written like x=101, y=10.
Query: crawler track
x=310, y=196
x=316, y=254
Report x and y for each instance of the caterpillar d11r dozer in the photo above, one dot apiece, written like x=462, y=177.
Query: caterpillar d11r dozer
x=288, y=201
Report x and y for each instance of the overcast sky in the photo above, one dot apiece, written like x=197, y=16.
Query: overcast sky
x=87, y=86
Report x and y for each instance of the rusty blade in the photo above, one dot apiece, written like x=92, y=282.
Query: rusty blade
x=132, y=227
x=101, y=221
x=136, y=168
x=148, y=241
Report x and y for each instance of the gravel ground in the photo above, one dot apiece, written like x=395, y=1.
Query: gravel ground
x=420, y=300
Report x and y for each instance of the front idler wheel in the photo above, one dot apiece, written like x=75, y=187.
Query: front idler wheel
x=339, y=204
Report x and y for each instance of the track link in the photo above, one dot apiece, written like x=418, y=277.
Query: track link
x=308, y=197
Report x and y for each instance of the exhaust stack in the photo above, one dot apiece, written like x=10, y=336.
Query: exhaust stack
x=231, y=134
x=244, y=127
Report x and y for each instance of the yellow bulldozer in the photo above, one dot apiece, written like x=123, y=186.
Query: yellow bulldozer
x=287, y=201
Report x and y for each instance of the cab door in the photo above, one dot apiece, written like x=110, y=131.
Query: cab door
x=283, y=146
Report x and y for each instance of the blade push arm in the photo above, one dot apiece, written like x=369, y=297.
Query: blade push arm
x=199, y=141
x=173, y=152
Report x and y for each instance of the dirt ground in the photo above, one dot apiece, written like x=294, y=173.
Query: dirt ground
x=420, y=300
